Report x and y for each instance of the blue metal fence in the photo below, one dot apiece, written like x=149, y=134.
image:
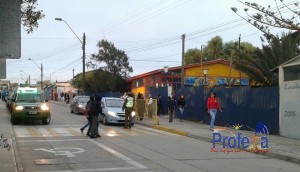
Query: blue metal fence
x=241, y=105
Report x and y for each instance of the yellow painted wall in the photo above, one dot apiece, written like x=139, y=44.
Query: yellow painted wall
x=215, y=70
x=139, y=90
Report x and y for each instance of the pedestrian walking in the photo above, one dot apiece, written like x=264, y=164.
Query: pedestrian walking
x=172, y=107
x=181, y=103
x=212, y=107
x=88, y=116
x=128, y=107
x=96, y=109
x=159, y=105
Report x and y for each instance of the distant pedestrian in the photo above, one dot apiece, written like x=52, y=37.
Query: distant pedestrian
x=96, y=109
x=172, y=107
x=150, y=105
x=159, y=105
x=128, y=107
x=87, y=113
x=212, y=107
x=181, y=103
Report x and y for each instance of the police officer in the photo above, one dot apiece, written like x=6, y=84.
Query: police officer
x=128, y=107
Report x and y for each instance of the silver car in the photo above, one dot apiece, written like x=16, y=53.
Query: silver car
x=112, y=111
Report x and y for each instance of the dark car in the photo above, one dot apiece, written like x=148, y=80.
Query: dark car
x=10, y=96
x=28, y=103
x=78, y=104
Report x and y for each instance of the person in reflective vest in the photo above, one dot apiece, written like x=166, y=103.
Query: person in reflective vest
x=128, y=107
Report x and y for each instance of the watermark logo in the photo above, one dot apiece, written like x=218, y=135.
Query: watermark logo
x=226, y=140
x=3, y=143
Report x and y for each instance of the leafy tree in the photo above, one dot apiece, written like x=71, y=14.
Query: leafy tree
x=100, y=81
x=116, y=61
x=30, y=15
x=192, y=56
x=264, y=17
x=259, y=66
x=214, y=49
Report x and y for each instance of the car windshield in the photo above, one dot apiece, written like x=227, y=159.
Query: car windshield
x=83, y=99
x=114, y=102
x=29, y=98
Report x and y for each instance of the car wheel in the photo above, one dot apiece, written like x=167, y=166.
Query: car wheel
x=13, y=120
x=77, y=111
x=47, y=121
x=104, y=120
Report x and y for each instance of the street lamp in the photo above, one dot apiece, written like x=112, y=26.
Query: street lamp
x=41, y=68
x=83, y=51
x=28, y=77
x=205, y=73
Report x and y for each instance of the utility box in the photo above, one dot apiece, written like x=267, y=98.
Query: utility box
x=10, y=29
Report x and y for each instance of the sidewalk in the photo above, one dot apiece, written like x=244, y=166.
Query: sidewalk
x=280, y=147
x=7, y=156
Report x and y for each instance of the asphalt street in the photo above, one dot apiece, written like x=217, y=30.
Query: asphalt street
x=60, y=146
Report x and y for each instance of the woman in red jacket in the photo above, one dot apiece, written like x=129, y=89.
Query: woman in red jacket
x=212, y=106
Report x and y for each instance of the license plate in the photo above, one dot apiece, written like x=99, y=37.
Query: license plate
x=32, y=112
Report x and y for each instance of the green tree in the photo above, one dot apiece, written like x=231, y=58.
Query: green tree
x=192, y=56
x=116, y=61
x=259, y=66
x=214, y=49
x=30, y=15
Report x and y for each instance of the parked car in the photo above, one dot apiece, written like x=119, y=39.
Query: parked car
x=78, y=104
x=28, y=103
x=112, y=111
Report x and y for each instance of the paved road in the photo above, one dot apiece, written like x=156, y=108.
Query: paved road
x=61, y=147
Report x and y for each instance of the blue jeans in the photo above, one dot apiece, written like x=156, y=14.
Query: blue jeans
x=181, y=110
x=213, y=113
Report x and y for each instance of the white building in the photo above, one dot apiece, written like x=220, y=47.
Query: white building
x=289, y=108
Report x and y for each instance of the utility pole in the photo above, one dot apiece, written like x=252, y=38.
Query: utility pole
x=73, y=75
x=182, y=61
x=29, y=81
x=42, y=78
x=240, y=60
x=201, y=67
x=83, y=63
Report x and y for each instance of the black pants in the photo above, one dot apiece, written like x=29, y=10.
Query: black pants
x=128, y=115
x=95, y=125
x=171, y=113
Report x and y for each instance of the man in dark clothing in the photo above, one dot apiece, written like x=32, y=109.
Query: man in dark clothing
x=159, y=105
x=96, y=109
x=172, y=107
x=181, y=105
x=128, y=107
x=88, y=116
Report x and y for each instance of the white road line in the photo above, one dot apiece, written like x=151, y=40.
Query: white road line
x=97, y=169
x=21, y=131
x=119, y=155
x=135, y=164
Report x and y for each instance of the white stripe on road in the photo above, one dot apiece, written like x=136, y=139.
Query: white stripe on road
x=97, y=169
x=119, y=155
x=135, y=164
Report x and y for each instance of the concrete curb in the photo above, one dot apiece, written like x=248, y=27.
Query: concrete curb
x=15, y=149
x=182, y=133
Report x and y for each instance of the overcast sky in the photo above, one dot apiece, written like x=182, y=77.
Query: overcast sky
x=147, y=30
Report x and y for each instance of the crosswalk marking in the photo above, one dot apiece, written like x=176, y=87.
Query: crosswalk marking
x=60, y=131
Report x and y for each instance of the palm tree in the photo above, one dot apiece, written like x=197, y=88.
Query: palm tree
x=258, y=66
